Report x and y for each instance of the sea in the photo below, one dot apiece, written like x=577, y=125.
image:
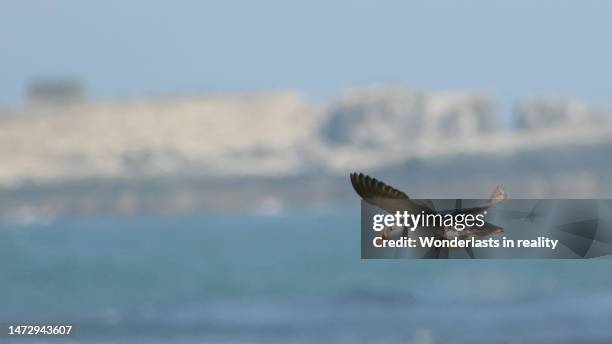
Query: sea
x=286, y=277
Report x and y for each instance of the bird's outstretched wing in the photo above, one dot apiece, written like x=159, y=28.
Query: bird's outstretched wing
x=499, y=195
x=384, y=196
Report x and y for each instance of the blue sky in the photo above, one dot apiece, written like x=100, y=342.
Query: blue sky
x=137, y=48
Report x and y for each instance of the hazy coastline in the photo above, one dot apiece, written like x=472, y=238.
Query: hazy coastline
x=269, y=152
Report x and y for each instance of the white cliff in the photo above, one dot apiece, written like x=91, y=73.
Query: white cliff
x=275, y=135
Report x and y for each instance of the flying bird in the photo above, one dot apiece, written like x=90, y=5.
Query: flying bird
x=392, y=200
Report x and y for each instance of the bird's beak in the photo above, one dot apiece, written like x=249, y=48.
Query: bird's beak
x=498, y=230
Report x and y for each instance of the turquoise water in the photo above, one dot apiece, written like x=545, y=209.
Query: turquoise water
x=296, y=278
